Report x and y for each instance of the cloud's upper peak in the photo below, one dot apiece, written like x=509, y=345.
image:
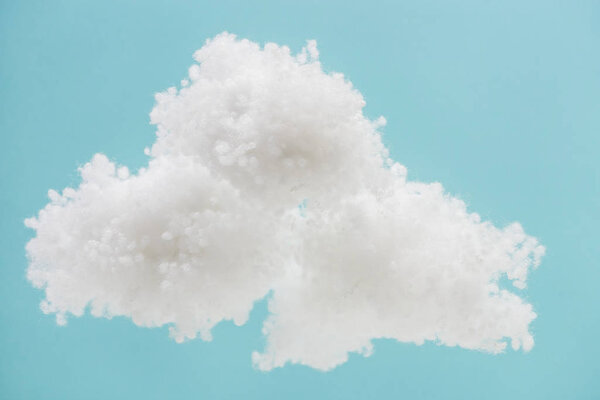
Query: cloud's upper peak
x=270, y=122
x=266, y=177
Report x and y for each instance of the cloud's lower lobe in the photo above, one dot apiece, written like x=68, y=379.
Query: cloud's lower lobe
x=266, y=177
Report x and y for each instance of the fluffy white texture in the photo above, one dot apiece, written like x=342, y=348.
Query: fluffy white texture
x=409, y=263
x=276, y=127
x=171, y=245
x=266, y=177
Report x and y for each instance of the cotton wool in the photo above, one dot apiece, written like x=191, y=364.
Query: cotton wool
x=266, y=180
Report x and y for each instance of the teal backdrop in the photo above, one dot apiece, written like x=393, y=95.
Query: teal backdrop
x=498, y=100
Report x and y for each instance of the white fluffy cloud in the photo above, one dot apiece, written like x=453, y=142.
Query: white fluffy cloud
x=266, y=178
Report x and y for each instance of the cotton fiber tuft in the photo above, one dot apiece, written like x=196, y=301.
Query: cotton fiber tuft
x=266, y=179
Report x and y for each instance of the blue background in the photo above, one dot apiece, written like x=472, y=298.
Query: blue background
x=498, y=100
